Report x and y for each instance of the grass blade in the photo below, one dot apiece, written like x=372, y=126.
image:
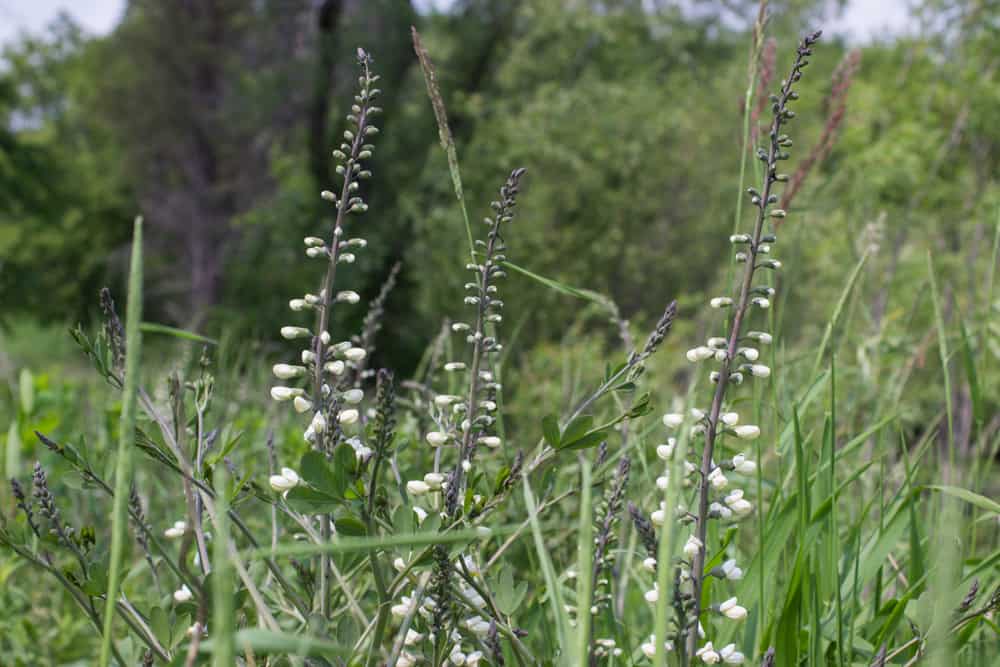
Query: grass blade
x=223, y=623
x=153, y=327
x=126, y=441
x=548, y=571
x=585, y=557
x=444, y=132
x=835, y=318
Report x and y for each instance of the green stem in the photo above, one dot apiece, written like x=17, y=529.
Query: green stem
x=126, y=442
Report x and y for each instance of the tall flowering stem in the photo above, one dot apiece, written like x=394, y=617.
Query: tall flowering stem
x=488, y=308
x=757, y=245
x=326, y=366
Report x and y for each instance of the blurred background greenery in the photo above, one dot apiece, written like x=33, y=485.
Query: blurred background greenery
x=215, y=120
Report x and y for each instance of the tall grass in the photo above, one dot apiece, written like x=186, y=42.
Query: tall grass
x=358, y=519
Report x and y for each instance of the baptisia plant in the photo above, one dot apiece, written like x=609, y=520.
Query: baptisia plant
x=719, y=461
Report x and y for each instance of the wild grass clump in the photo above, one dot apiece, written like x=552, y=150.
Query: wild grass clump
x=375, y=520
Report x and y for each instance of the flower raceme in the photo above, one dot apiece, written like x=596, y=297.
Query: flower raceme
x=735, y=355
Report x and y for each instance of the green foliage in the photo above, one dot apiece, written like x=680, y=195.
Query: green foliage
x=874, y=533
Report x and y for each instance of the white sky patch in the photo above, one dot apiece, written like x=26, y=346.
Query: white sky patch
x=861, y=21
x=98, y=17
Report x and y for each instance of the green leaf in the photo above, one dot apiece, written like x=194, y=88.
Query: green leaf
x=350, y=525
x=316, y=470
x=26, y=387
x=159, y=623
x=588, y=440
x=550, y=430
x=267, y=641
x=641, y=407
x=152, y=327
x=344, y=462
x=508, y=594
x=982, y=502
x=576, y=429
x=307, y=500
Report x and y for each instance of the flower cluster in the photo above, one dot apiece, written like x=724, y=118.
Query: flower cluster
x=461, y=425
x=328, y=397
x=736, y=355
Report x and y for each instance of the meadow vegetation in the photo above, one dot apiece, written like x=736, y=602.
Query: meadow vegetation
x=676, y=348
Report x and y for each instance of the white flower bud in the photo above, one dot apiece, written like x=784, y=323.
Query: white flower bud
x=183, y=594
x=490, y=441
x=749, y=353
x=318, y=423
x=285, y=393
x=348, y=296
x=721, y=511
x=454, y=366
x=436, y=438
x=417, y=487
x=313, y=242
x=421, y=514
x=761, y=302
x=716, y=342
x=708, y=654
x=291, y=333
x=692, y=546
x=649, y=564
x=730, y=655
x=665, y=451
x=347, y=258
x=739, y=238
x=443, y=400
x=302, y=404
x=721, y=302
x=355, y=354
x=287, y=480
x=673, y=419
x=652, y=595
x=731, y=571
x=760, y=371
x=287, y=372
x=697, y=414
x=313, y=253
x=717, y=479
x=353, y=396
x=348, y=416
x=434, y=480
x=334, y=367
x=175, y=531
x=762, y=337
x=747, y=431
x=737, y=503
x=721, y=355
x=298, y=304
x=729, y=418
x=325, y=338
x=743, y=465
x=700, y=353
x=730, y=609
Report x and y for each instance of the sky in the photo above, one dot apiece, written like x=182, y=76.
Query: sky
x=861, y=21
